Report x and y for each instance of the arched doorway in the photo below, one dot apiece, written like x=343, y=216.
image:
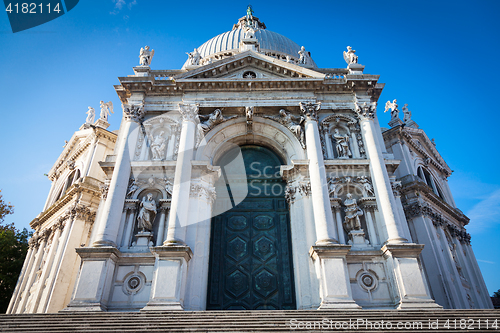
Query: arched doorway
x=250, y=249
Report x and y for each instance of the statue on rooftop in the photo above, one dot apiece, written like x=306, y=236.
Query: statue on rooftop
x=406, y=113
x=91, y=116
x=106, y=109
x=194, y=58
x=303, y=56
x=350, y=57
x=146, y=56
x=393, y=107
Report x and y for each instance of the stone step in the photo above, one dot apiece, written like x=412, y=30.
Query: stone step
x=248, y=321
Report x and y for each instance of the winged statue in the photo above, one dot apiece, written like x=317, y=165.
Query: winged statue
x=106, y=109
x=146, y=56
x=393, y=106
x=350, y=56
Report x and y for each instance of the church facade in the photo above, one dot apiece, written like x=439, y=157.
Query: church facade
x=249, y=179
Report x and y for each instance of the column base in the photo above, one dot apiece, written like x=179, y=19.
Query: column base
x=329, y=305
x=169, y=281
x=93, y=284
x=84, y=307
x=326, y=242
x=410, y=282
x=331, y=270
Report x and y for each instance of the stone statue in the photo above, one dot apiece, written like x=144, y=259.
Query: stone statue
x=394, y=109
x=293, y=123
x=158, y=147
x=145, y=56
x=106, y=109
x=352, y=214
x=350, y=57
x=207, y=122
x=303, y=56
x=132, y=187
x=363, y=180
x=406, y=113
x=193, y=58
x=147, y=213
x=249, y=113
x=342, y=144
x=91, y=116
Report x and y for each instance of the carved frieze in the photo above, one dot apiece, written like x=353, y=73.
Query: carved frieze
x=417, y=209
x=204, y=191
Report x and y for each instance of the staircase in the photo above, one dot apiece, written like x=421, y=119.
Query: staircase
x=257, y=321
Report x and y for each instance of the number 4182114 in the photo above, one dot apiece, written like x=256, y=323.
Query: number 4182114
x=31, y=8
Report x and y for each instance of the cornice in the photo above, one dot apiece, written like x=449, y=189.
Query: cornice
x=86, y=185
x=431, y=197
x=405, y=134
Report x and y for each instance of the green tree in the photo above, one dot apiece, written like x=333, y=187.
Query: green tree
x=13, y=248
x=496, y=293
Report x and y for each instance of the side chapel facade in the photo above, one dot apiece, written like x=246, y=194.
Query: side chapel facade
x=324, y=210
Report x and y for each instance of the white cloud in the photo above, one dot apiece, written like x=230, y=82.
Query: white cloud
x=486, y=261
x=485, y=213
x=130, y=4
x=118, y=6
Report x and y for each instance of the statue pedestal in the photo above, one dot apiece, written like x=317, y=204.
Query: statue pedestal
x=355, y=69
x=141, y=70
x=411, y=123
x=357, y=239
x=101, y=123
x=249, y=44
x=169, y=281
x=395, y=122
x=144, y=239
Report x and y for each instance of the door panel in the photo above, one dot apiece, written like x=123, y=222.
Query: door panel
x=250, y=252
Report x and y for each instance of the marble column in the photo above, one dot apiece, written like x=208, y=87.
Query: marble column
x=48, y=266
x=335, y=203
x=33, y=272
x=66, y=225
x=109, y=224
x=161, y=227
x=131, y=209
x=22, y=279
x=179, y=209
x=323, y=217
x=328, y=143
x=380, y=178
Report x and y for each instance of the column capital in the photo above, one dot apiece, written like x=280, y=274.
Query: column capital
x=189, y=112
x=310, y=110
x=134, y=112
x=365, y=111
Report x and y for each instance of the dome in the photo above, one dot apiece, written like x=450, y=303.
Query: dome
x=271, y=43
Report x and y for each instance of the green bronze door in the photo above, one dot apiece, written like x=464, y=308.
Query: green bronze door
x=250, y=250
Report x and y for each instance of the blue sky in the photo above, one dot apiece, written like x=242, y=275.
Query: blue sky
x=439, y=57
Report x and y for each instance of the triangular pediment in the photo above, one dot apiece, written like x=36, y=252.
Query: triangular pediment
x=250, y=65
x=421, y=142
